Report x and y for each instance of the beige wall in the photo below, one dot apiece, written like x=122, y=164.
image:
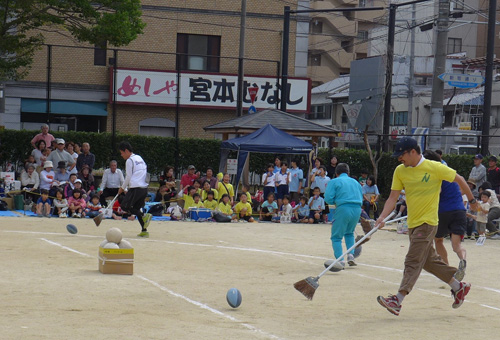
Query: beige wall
x=208, y=17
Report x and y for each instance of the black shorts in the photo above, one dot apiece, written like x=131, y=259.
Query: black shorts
x=134, y=200
x=246, y=217
x=282, y=191
x=312, y=213
x=452, y=222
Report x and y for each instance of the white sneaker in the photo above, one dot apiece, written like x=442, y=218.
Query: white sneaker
x=79, y=215
x=74, y=215
x=62, y=215
x=350, y=260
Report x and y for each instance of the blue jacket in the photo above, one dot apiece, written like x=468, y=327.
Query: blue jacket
x=343, y=190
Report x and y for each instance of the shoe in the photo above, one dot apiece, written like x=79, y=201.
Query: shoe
x=63, y=215
x=350, y=260
x=79, y=215
x=495, y=237
x=74, y=215
x=460, y=273
x=336, y=268
x=144, y=234
x=491, y=233
x=460, y=294
x=147, y=219
x=391, y=304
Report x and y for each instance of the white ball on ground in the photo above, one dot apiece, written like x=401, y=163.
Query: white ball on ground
x=336, y=268
x=124, y=244
x=103, y=243
x=111, y=245
x=114, y=235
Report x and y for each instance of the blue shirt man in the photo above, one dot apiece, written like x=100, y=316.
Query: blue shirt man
x=346, y=193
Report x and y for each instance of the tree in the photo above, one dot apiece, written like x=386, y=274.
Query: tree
x=22, y=23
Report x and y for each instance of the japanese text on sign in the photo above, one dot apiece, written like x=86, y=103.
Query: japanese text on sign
x=207, y=90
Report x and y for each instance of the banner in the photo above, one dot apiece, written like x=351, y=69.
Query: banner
x=207, y=90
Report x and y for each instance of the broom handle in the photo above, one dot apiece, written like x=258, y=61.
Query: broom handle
x=112, y=202
x=356, y=244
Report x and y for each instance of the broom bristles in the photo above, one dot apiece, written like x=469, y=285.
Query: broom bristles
x=98, y=219
x=305, y=288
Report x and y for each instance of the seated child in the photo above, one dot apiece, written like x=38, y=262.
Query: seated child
x=268, y=209
x=188, y=199
x=243, y=209
x=77, y=204
x=44, y=204
x=197, y=201
x=316, y=206
x=301, y=211
x=93, y=207
x=225, y=206
x=118, y=213
x=245, y=189
x=210, y=202
x=60, y=204
x=286, y=210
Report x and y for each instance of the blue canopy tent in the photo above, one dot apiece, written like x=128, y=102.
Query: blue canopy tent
x=267, y=139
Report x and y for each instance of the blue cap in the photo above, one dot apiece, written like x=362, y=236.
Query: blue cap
x=478, y=156
x=404, y=144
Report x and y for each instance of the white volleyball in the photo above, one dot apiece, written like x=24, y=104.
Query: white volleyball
x=114, y=235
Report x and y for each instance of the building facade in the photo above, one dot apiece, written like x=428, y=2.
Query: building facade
x=71, y=85
x=337, y=38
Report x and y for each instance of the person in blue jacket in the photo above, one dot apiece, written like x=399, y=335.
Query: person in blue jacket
x=346, y=194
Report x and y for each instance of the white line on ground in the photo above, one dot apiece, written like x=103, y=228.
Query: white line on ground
x=206, y=307
x=191, y=301
x=66, y=248
x=280, y=254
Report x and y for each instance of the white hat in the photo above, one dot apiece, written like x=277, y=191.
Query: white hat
x=48, y=164
x=61, y=141
x=78, y=181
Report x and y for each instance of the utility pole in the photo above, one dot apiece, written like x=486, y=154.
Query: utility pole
x=441, y=44
x=284, y=58
x=488, y=82
x=411, y=80
x=388, y=77
x=241, y=95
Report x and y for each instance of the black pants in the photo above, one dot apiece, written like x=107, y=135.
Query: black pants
x=134, y=201
x=106, y=193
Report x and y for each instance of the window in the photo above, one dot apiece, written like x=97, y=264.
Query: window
x=316, y=26
x=346, y=45
x=314, y=60
x=398, y=118
x=362, y=35
x=457, y=5
x=362, y=3
x=198, y=52
x=454, y=45
x=100, y=54
x=323, y=111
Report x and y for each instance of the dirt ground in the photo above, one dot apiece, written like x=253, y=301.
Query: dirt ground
x=51, y=288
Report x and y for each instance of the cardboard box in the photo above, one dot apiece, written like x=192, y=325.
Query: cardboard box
x=9, y=201
x=116, y=261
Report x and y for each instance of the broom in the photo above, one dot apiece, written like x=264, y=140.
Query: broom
x=98, y=219
x=309, y=285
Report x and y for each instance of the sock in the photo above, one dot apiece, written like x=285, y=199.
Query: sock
x=455, y=285
x=400, y=297
x=398, y=215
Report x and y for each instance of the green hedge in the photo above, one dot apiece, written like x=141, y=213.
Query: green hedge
x=157, y=151
x=160, y=151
